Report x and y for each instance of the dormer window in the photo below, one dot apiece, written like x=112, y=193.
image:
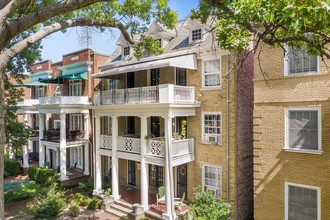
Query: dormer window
x=196, y=35
x=126, y=51
x=159, y=42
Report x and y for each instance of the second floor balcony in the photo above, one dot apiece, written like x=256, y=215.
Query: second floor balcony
x=28, y=102
x=155, y=146
x=64, y=100
x=164, y=93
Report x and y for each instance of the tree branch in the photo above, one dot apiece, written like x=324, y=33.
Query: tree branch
x=6, y=8
x=25, y=22
x=8, y=54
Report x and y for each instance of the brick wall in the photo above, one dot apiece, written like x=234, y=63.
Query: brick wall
x=273, y=166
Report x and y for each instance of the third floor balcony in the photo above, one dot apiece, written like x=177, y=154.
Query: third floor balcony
x=164, y=93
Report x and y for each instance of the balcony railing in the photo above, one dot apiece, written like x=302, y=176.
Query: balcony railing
x=28, y=102
x=64, y=100
x=166, y=93
x=155, y=147
x=54, y=135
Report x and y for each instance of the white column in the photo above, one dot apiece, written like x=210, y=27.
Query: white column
x=114, y=174
x=169, y=196
x=144, y=172
x=48, y=156
x=63, y=148
x=86, y=147
x=47, y=120
x=41, y=136
x=98, y=176
x=25, y=147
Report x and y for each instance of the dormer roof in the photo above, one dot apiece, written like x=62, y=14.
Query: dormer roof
x=158, y=30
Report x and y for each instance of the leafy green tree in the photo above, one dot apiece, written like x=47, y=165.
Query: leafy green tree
x=23, y=23
x=205, y=206
x=299, y=23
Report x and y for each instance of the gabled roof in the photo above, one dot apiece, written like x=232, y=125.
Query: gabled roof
x=158, y=30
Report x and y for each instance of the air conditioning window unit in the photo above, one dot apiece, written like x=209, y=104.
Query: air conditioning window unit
x=214, y=138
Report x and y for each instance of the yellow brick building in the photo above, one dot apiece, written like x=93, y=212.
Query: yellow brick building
x=291, y=142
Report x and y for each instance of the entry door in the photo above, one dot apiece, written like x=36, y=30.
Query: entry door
x=130, y=80
x=155, y=77
x=130, y=125
x=182, y=180
x=181, y=76
x=155, y=126
x=131, y=172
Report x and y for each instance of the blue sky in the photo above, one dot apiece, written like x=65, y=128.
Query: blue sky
x=60, y=43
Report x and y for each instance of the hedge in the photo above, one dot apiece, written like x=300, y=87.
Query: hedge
x=20, y=190
x=42, y=176
x=11, y=168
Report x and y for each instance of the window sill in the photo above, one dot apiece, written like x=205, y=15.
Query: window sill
x=210, y=88
x=301, y=74
x=210, y=143
x=303, y=151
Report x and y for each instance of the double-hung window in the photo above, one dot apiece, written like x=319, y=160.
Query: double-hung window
x=211, y=127
x=75, y=87
x=40, y=92
x=298, y=61
x=302, y=202
x=211, y=73
x=303, y=129
x=76, y=122
x=212, y=179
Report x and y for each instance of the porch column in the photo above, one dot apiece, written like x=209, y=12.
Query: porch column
x=86, y=148
x=98, y=177
x=63, y=148
x=144, y=174
x=47, y=120
x=25, y=147
x=169, y=196
x=47, y=156
x=114, y=174
x=41, y=136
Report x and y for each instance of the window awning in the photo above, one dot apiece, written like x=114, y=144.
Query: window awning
x=186, y=61
x=29, y=84
x=59, y=79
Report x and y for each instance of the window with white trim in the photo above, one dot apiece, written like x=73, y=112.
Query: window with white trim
x=77, y=157
x=211, y=127
x=196, y=35
x=40, y=92
x=211, y=73
x=57, y=124
x=303, y=129
x=75, y=87
x=212, y=179
x=299, y=61
x=302, y=202
x=126, y=51
x=76, y=122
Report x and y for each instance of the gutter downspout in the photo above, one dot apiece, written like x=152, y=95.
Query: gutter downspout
x=227, y=128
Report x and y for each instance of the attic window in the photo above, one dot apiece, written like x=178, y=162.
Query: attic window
x=196, y=35
x=126, y=51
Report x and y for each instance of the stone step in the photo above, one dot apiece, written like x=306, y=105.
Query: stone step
x=120, y=208
x=124, y=204
x=116, y=213
x=153, y=215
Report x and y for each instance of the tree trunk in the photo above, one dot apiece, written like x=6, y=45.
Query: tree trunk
x=2, y=140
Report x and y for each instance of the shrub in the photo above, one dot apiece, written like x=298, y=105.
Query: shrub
x=12, y=167
x=94, y=204
x=205, y=206
x=20, y=190
x=74, y=209
x=50, y=205
x=32, y=172
x=87, y=187
x=46, y=176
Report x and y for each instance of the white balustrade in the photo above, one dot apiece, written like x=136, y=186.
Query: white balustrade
x=183, y=147
x=105, y=141
x=64, y=100
x=28, y=102
x=165, y=93
x=156, y=148
x=128, y=144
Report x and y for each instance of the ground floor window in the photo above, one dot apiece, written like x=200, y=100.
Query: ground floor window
x=156, y=175
x=77, y=156
x=302, y=202
x=212, y=179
